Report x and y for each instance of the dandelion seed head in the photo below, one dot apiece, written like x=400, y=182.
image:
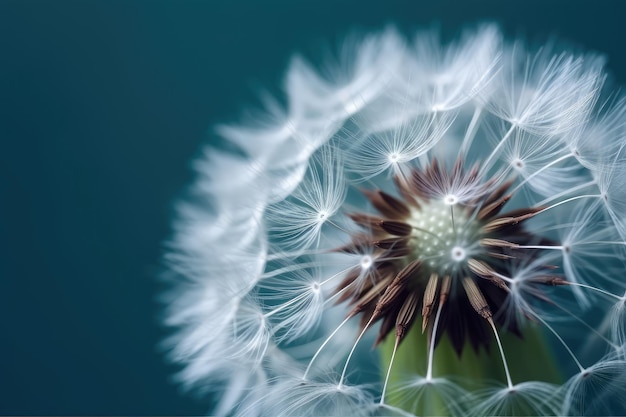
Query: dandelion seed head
x=435, y=232
x=468, y=192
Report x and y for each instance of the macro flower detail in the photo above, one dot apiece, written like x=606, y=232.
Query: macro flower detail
x=458, y=207
x=445, y=238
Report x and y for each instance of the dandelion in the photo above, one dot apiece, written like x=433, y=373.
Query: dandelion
x=458, y=207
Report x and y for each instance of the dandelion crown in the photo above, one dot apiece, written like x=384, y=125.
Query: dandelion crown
x=461, y=207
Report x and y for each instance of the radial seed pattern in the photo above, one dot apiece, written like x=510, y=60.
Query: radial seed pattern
x=438, y=250
x=464, y=192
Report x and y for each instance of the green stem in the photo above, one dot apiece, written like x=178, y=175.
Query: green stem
x=529, y=358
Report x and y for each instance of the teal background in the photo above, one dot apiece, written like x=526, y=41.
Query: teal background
x=103, y=104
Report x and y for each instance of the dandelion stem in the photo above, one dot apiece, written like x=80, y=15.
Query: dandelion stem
x=452, y=221
x=561, y=194
x=506, y=366
x=578, y=197
x=319, y=350
x=338, y=274
x=335, y=295
x=356, y=342
x=282, y=255
x=470, y=134
x=431, y=348
x=393, y=356
x=558, y=336
x=587, y=325
x=287, y=269
x=590, y=287
x=496, y=150
x=539, y=247
x=337, y=226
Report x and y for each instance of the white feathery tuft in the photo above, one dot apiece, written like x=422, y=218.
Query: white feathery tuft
x=271, y=278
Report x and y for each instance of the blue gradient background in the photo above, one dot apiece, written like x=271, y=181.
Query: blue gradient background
x=103, y=106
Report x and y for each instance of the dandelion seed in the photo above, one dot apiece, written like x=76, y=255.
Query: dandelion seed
x=528, y=398
x=441, y=203
x=589, y=391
